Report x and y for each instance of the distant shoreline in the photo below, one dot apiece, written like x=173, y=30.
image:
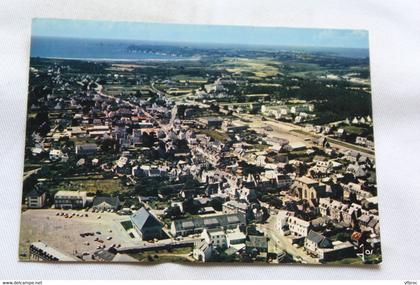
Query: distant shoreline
x=117, y=59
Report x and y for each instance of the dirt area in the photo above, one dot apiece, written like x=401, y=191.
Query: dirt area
x=64, y=233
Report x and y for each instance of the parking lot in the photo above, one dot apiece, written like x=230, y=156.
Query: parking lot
x=64, y=234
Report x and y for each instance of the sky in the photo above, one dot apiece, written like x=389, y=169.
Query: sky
x=272, y=36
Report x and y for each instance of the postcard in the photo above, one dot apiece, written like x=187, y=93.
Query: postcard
x=150, y=142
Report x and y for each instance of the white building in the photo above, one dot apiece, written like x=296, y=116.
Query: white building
x=215, y=237
x=298, y=227
x=70, y=199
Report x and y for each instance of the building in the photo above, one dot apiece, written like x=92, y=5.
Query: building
x=86, y=149
x=298, y=227
x=256, y=244
x=211, y=122
x=233, y=207
x=308, y=189
x=215, y=237
x=283, y=222
x=235, y=239
x=106, y=203
x=70, y=199
x=315, y=241
x=186, y=227
x=55, y=154
x=42, y=252
x=36, y=197
x=147, y=225
x=202, y=251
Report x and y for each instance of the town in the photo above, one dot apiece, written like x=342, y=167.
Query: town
x=246, y=155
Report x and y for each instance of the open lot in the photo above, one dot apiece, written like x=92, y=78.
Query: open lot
x=91, y=184
x=64, y=233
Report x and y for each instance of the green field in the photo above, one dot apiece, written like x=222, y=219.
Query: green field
x=91, y=184
x=216, y=135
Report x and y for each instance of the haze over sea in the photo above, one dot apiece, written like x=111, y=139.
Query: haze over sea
x=106, y=49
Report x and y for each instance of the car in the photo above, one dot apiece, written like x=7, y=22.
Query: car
x=98, y=232
x=109, y=238
x=85, y=253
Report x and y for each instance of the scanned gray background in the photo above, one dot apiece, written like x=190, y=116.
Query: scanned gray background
x=394, y=28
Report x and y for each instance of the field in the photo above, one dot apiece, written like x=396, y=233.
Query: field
x=91, y=184
x=174, y=255
x=354, y=130
x=216, y=135
x=260, y=67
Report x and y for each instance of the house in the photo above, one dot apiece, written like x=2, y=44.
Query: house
x=233, y=207
x=324, y=249
x=36, y=197
x=361, y=140
x=55, y=154
x=256, y=244
x=70, y=199
x=86, y=149
x=106, y=203
x=211, y=122
x=235, y=239
x=314, y=241
x=190, y=226
x=298, y=227
x=147, y=225
x=283, y=221
x=202, y=251
x=215, y=237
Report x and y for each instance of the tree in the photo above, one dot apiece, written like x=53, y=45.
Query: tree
x=173, y=212
x=217, y=203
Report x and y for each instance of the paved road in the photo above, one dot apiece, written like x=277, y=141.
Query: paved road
x=28, y=174
x=284, y=130
x=283, y=243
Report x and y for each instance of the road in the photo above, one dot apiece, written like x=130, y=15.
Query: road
x=291, y=133
x=280, y=129
x=28, y=174
x=283, y=243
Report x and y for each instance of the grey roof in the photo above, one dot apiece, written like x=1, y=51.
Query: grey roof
x=319, y=239
x=113, y=201
x=315, y=237
x=36, y=191
x=257, y=241
x=210, y=222
x=142, y=218
x=87, y=146
x=364, y=218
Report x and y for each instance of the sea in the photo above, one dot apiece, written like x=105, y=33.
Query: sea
x=118, y=50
